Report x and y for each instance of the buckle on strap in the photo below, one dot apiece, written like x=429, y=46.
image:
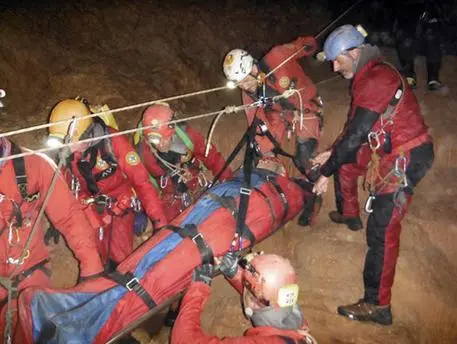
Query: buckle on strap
x=130, y=282
x=245, y=191
x=190, y=231
x=197, y=237
x=133, y=284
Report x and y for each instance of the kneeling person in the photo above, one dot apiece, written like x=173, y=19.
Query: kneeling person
x=175, y=156
x=269, y=291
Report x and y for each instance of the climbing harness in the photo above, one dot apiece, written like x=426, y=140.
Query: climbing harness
x=26, y=252
x=396, y=177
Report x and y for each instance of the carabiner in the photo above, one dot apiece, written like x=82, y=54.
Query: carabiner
x=202, y=181
x=373, y=136
x=400, y=166
x=163, y=182
x=369, y=204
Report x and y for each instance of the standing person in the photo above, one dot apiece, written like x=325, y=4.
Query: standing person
x=384, y=124
x=175, y=156
x=268, y=285
x=418, y=29
x=24, y=183
x=110, y=174
x=277, y=120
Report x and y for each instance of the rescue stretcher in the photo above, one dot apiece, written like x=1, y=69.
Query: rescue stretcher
x=98, y=310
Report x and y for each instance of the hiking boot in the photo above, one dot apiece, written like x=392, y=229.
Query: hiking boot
x=363, y=311
x=411, y=82
x=353, y=223
x=434, y=85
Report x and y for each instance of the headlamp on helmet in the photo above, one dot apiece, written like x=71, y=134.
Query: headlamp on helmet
x=54, y=142
x=270, y=279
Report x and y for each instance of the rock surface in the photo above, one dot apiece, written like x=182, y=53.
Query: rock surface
x=126, y=52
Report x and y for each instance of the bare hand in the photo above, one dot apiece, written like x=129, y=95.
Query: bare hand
x=322, y=158
x=321, y=185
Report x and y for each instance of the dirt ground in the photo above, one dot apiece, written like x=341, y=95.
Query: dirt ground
x=126, y=52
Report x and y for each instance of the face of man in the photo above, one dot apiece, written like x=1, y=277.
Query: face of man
x=161, y=142
x=345, y=63
x=249, y=83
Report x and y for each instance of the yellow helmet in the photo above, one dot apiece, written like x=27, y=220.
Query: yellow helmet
x=67, y=109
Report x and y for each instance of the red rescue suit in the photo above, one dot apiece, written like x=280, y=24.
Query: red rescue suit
x=180, y=190
x=402, y=134
x=187, y=327
x=119, y=174
x=283, y=117
x=17, y=217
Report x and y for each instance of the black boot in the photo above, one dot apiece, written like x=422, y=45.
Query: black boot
x=310, y=212
x=353, y=223
x=363, y=311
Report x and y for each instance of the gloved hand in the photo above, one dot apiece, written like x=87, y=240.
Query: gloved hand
x=303, y=153
x=51, y=234
x=140, y=223
x=203, y=273
x=308, y=48
x=229, y=265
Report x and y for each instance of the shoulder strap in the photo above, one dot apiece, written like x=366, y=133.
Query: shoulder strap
x=21, y=176
x=181, y=132
x=388, y=113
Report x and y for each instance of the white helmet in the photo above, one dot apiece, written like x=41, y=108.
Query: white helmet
x=237, y=64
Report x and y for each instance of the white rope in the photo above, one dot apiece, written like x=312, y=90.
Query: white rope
x=120, y=133
x=228, y=109
x=320, y=33
x=125, y=108
x=174, y=169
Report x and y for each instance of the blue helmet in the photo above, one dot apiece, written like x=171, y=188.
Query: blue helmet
x=341, y=39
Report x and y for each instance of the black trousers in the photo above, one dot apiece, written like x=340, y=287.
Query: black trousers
x=384, y=228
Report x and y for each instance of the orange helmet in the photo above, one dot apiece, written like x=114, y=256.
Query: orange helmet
x=67, y=109
x=269, y=280
x=156, y=120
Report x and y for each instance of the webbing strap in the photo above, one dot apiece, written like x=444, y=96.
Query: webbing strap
x=182, y=134
x=17, y=279
x=190, y=231
x=229, y=203
x=232, y=156
x=264, y=131
x=281, y=193
x=21, y=176
x=131, y=283
x=387, y=114
x=245, y=190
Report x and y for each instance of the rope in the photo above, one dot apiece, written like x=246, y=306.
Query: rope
x=320, y=33
x=125, y=108
x=228, y=109
x=119, y=133
x=25, y=252
x=175, y=169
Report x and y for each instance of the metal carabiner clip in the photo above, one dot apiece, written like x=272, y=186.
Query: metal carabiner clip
x=400, y=166
x=163, y=182
x=373, y=136
x=369, y=204
x=202, y=181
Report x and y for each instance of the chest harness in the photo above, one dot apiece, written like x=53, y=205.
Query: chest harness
x=267, y=96
x=178, y=165
x=16, y=222
x=396, y=177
